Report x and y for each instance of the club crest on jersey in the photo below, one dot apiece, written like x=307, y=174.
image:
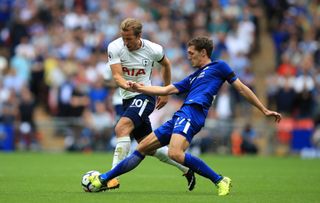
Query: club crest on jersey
x=145, y=62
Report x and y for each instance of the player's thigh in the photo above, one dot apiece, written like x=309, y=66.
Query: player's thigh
x=149, y=144
x=143, y=130
x=124, y=127
x=139, y=108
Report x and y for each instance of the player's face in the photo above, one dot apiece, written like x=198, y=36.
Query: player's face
x=194, y=56
x=131, y=41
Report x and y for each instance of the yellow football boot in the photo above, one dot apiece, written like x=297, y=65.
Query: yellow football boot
x=224, y=186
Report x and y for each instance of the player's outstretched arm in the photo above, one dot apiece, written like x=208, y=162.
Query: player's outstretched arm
x=153, y=90
x=253, y=99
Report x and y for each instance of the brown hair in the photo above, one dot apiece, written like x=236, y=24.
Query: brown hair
x=202, y=43
x=131, y=24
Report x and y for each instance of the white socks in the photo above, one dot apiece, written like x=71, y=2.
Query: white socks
x=162, y=155
x=122, y=150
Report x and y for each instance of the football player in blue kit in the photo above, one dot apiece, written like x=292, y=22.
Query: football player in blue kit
x=201, y=87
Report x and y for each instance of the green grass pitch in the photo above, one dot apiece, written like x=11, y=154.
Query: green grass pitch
x=46, y=178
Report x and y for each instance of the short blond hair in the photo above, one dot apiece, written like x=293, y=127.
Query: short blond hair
x=131, y=24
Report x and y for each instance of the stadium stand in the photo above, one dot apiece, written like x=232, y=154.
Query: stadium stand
x=52, y=56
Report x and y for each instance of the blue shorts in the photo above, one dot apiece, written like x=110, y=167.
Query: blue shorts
x=187, y=121
x=177, y=125
x=138, y=110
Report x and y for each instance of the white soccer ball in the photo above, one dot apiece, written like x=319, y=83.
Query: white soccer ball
x=86, y=184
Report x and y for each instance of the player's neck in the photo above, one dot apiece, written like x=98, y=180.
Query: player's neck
x=139, y=44
x=205, y=62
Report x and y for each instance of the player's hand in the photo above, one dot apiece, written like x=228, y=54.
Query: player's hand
x=277, y=116
x=133, y=86
x=130, y=86
x=161, y=101
x=130, y=83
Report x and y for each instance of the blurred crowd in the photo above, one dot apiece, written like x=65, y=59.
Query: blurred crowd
x=295, y=84
x=53, y=56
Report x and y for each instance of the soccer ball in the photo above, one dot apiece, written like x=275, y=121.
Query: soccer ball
x=86, y=184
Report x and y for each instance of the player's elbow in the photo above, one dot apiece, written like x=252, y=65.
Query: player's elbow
x=242, y=92
x=245, y=91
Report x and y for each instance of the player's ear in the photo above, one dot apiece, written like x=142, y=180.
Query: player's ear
x=203, y=52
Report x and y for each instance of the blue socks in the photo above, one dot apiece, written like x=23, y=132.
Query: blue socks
x=201, y=168
x=132, y=161
x=124, y=166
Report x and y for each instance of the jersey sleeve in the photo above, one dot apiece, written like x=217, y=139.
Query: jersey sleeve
x=227, y=73
x=107, y=73
x=113, y=54
x=158, y=52
x=183, y=85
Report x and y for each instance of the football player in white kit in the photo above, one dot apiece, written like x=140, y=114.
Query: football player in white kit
x=131, y=58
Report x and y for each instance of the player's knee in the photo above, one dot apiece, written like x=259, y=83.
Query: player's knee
x=122, y=130
x=176, y=155
x=118, y=130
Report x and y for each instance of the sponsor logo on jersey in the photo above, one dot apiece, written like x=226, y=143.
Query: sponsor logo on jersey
x=133, y=72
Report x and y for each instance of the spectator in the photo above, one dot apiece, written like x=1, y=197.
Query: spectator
x=63, y=71
x=100, y=126
x=27, y=134
x=248, y=136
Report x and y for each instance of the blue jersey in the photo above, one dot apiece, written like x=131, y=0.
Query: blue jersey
x=203, y=85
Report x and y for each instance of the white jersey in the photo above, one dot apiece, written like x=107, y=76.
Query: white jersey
x=136, y=65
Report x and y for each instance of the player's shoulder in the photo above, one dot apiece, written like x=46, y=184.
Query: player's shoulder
x=219, y=63
x=222, y=66
x=150, y=45
x=117, y=43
